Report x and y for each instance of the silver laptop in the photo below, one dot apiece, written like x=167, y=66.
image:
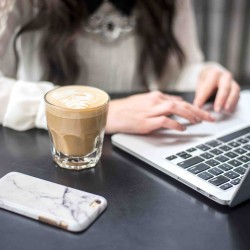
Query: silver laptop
x=211, y=158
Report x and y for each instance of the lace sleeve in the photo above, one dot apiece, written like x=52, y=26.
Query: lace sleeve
x=6, y=7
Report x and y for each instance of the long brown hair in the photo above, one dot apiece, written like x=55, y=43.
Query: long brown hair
x=61, y=21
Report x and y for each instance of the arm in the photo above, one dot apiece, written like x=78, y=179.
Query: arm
x=147, y=112
x=207, y=78
x=144, y=113
x=21, y=102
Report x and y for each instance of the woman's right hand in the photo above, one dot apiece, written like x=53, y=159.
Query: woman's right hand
x=144, y=113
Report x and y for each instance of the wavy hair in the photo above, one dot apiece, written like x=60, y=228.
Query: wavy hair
x=61, y=22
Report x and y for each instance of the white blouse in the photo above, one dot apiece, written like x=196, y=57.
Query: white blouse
x=111, y=66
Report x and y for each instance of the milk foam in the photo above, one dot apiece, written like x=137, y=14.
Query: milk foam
x=73, y=99
x=77, y=97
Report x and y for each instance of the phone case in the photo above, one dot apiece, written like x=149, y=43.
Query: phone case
x=48, y=202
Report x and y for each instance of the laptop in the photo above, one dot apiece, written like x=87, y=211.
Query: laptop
x=211, y=158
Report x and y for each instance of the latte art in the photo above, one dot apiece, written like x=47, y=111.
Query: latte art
x=77, y=98
x=74, y=99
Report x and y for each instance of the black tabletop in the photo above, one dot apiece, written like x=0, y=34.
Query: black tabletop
x=146, y=209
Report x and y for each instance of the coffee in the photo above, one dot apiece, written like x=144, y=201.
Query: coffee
x=76, y=118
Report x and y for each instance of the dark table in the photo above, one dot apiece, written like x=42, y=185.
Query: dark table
x=146, y=209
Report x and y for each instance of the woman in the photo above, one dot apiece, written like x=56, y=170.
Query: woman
x=118, y=46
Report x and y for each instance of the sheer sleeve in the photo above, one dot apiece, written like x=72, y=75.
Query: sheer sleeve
x=186, y=34
x=6, y=7
x=21, y=102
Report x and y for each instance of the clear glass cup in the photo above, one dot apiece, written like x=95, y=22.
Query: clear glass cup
x=76, y=120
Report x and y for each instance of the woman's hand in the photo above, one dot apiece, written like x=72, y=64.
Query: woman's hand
x=144, y=113
x=221, y=82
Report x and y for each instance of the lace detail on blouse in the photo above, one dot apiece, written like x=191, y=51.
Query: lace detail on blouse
x=6, y=6
x=109, y=23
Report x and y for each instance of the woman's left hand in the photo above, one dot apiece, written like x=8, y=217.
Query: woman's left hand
x=220, y=82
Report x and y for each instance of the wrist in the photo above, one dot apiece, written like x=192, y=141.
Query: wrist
x=113, y=125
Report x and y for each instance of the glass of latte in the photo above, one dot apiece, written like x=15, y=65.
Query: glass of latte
x=76, y=120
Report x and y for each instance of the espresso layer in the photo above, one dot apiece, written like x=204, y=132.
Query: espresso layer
x=75, y=137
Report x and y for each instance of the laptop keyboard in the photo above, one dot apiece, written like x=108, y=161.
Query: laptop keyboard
x=221, y=162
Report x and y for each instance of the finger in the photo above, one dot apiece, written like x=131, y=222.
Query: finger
x=224, y=88
x=206, y=88
x=182, y=109
x=156, y=97
x=162, y=122
x=172, y=97
x=172, y=124
x=192, y=113
x=157, y=94
x=164, y=108
x=233, y=98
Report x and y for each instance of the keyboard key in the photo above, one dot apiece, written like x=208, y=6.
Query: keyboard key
x=171, y=157
x=244, y=159
x=248, y=155
x=190, y=162
x=216, y=151
x=206, y=156
x=184, y=155
x=240, y=170
x=190, y=150
x=247, y=147
x=231, y=175
x=234, y=135
x=203, y=147
x=205, y=176
x=212, y=163
x=213, y=143
x=198, y=168
x=246, y=165
x=217, y=181
x=242, y=141
x=248, y=137
x=234, y=144
x=226, y=186
x=221, y=158
x=181, y=153
x=215, y=171
x=235, y=163
x=240, y=151
x=225, y=167
x=231, y=154
x=235, y=181
x=225, y=148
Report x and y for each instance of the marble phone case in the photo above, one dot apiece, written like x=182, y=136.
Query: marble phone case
x=48, y=202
